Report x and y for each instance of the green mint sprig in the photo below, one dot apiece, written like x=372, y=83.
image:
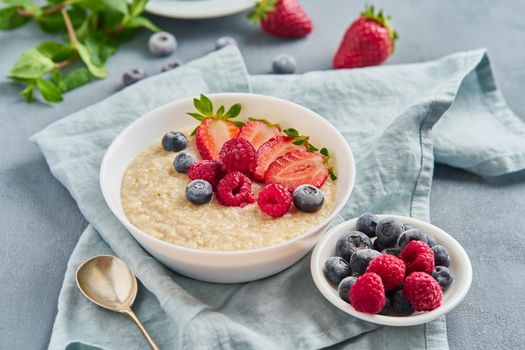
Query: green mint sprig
x=304, y=140
x=94, y=30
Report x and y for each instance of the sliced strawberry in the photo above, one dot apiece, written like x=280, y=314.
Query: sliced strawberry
x=212, y=134
x=297, y=168
x=270, y=151
x=258, y=132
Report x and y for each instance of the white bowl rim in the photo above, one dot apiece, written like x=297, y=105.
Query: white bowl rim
x=124, y=220
x=323, y=286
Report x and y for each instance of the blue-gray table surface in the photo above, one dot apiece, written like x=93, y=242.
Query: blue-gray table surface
x=40, y=223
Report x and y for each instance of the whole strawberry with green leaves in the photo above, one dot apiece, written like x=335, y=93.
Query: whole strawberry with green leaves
x=285, y=18
x=367, y=42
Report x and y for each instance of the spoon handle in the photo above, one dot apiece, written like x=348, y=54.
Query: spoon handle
x=135, y=319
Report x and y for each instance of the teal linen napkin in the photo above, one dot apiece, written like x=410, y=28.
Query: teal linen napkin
x=386, y=114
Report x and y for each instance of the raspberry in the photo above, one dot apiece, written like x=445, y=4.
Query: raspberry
x=209, y=170
x=274, y=200
x=239, y=155
x=390, y=268
x=422, y=291
x=418, y=256
x=368, y=294
x=235, y=189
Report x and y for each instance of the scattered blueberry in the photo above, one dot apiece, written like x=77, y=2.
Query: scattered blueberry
x=308, y=198
x=224, y=41
x=400, y=305
x=411, y=235
x=162, y=44
x=170, y=65
x=360, y=260
x=344, y=287
x=367, y=224
x=336, y=269
x=174, y=141
x=441, y=257
x=199, y=192
x=387, y=308
x=395, y=251
x=407, y=226
x=133, y=76
x=183, y=161
x=431, y=241
x=284, y=64
x=388, y=231
x=443, y=275
x=350, y=242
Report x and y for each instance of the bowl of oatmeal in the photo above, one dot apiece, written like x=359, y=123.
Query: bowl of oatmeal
x=247, y=227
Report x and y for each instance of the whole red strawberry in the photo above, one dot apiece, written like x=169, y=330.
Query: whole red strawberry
x=282, y=18
x=367, y=42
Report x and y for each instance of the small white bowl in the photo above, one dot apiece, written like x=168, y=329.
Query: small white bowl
x=219, y=266
x=459, y=265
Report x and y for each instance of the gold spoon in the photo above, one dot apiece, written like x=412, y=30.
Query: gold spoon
x=108, y=282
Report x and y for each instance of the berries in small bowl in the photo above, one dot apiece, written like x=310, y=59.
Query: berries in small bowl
x=402, y=285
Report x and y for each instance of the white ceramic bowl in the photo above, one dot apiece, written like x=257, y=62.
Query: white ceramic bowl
x=235, y=266
x=459, y=265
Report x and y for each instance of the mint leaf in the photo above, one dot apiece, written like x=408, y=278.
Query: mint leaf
x=113, y=19
x=48, y=90
x=11, y=19
x=120, y=6
x=28, y=92
x=27, y=5
x=57, y=79
x=76, y=78
x=54, y=22
x=31, y=65
x=100, y=47
x=142, y=22
x=55, y=51
x=98, y=72
x=137, y=7
x=233, y=111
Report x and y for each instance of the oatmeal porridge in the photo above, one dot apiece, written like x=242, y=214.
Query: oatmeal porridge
x=153, y=198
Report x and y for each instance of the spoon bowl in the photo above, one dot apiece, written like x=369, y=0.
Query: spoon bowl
x=108, y=282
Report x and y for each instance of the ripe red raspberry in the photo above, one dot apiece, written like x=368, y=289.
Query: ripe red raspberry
x=239, y=155
x=422, y=291
x=209, y=170
x=390, y=268
x=235, y=189
x=274, y=200
x=368, y=294
x=418, y=256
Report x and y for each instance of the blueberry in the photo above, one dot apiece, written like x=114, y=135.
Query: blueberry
x=395, y=251
x=199, y=192
x=336, y=269
x=387, y=308
x=400, y=305
x=388, y=231
x=443, y=275
x=407, y=227
x=133, y=76
x=183, y=161
x=284, y=64
x=308, y=198
x=162, y=44
x=360, y=260
x=224, y=41
x=170, y=65
x=441, y=257
x=367, y=223
x=411, y=235
x=431, y=241
x=344, y=287
x=380, y=246
x=349, y=242
x=174, y=141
